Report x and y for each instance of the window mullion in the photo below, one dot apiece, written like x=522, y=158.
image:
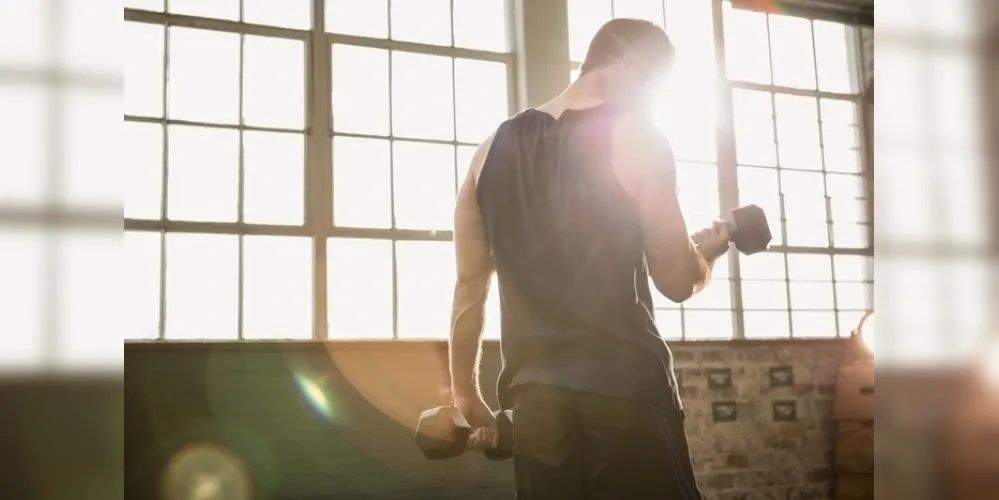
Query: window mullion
x=728, y=182
x=318, y=162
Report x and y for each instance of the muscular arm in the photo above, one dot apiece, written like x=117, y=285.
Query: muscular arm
x=644, y=164
x=474, y=270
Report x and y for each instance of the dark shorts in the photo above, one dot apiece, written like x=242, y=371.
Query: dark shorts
x=584, y=446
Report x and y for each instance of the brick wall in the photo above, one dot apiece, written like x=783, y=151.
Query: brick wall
x=316, y=421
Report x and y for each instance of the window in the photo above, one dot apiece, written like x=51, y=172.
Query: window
x=292, y=173
x=796, y=121
x=225, y=222
x=796, y=137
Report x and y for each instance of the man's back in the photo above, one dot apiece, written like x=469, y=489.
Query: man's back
x=567, y=242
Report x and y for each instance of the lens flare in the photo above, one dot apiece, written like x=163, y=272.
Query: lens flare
x=317, y=395
x=206, y=471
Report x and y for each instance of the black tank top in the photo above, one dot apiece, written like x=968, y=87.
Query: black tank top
x=567, y=242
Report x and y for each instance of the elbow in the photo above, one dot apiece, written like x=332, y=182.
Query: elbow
x=677, y=291
x=680, y=286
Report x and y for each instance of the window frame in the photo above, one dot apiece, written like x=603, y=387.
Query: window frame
x=318, y=223
x=727, y=165
x=522, y=88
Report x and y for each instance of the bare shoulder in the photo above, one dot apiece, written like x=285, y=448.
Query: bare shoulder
x=479, y=159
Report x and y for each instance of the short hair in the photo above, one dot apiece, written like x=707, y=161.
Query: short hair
x=619, y=37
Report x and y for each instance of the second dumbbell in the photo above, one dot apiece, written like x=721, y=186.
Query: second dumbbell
x=443, y=432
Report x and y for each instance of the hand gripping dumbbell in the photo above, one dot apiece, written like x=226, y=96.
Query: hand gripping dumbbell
x=443, y=432
x=748, y=230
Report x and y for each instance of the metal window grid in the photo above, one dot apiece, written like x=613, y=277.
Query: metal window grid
x=319, y=223
x=319, y=132
x=727, y=166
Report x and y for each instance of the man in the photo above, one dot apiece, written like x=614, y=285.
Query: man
x=574, y=205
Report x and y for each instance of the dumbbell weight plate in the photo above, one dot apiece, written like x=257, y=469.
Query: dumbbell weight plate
x=752, y=234
x=442, y=433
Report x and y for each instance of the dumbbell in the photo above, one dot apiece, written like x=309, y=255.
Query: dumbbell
x=748, y=230
x=443, y=432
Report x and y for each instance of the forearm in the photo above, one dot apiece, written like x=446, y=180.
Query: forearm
x=465, y=346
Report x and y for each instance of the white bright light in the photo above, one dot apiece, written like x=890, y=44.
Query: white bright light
x=867, y=332
x=992, y=363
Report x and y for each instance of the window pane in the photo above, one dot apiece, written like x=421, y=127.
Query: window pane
x=142, y=285
x=842, y=160
x=23, y=162
x=807, y=234
x=754, y=127
x=838, y=112
x=480, y=98
x=758, y=186
x=747, y=51
x=849, y=210
x=687, y=113
x=274, y=82
x=203, y=174
x=832, y=42
x=424, y=185
x=649, y=10
x=426, y=287
x=669, y=323
x=359, y=293
x=716, y=296
x=296, y=14
x=151, y=5
x=813, y=323
x=691, y=27
x=202, y=280
x=491, y=328
x=764, y=295
x=277, y=287
x=585, y=18
x=763, y=266
x=811, y=295
x=273, y=178
x=698, y=189
x=853, y=268
x=802, y=184
x=851, y=296
x=143, y=144
x=708, y=324
x=791, y=49
x=807, y=267
x=358, y=17
x=427, y=21
x=766, y=324
x=481, y=24
x=362, y=183
x=850, y=235
x=840, y=136
x=219, y=9
x=360, y=90
x=721, y=269
x=204, y=76
x=143, y=69
x=845, y=186
x=422, y=96
x=23, y=261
